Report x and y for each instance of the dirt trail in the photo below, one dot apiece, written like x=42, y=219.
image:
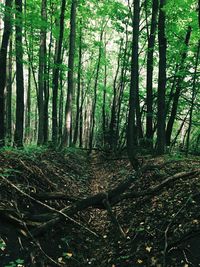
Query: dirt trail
x=144, y=220
x=100, y=175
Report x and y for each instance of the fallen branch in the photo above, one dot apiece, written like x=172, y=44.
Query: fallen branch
x=45, y=205
x=116, y=195
x=113, y=217
x=113, y=196
x=154, y=189
x=54, y=196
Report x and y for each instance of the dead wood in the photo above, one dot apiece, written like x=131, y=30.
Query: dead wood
x=113, y=196
x=54, y=196
x=113, y=218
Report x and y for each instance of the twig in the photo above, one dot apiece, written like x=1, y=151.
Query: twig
x=48, y=207
x=112, y=216
x=168, y=227
x=36, y=242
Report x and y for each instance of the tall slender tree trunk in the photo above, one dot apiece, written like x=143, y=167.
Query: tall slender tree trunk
x=178, y=89
x=149, y=85
x=67, y=138
x=81, y=120
x=112, y=130
x=92, y=121
x=56, y=69
x=42, y=74
x=161, y=81
x=194, y=91
x=122, y=85
x=28, y=109
x=47, y=85
x=179, y=130
x=60, y=110
x=131, y=131
x=19, y=127
x=78, y=88
x=9, y=96
x=3, y=67
x=104, y=98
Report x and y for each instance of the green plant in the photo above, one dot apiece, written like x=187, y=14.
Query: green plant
x=2, y=244
x=16, y=263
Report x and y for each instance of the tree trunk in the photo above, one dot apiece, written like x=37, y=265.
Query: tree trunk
x=47, y=86
x=9, y=96
x=149, y=85
x=104, y=100
x=68, y=109
x=56, y=69
x=61, y=109
x=161, y=81
x=42, y=74
x=92, y=122
x=122, y=85
x=112, y=130
x=19, y=127
x=78, y=88
x=81, y=120
x=194, y=91
x=28, y=109
x=3, y=68
x=178, y=89
x=131, y=131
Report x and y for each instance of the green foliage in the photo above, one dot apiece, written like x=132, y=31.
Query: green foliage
x=29, y=151
x=2, y=244
x=16, y=263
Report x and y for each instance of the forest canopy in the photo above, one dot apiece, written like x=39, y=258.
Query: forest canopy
x=100, y=74
x=99, y=133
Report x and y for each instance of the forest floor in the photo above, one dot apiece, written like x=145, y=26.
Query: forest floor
x=157, y=229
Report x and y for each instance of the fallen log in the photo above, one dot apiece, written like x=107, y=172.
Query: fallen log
x=54, y=196
x=95, y=201
x=113, y=197
x=154, y=189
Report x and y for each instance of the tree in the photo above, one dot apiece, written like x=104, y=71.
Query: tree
x=78, y=87
x=132, y=127
x=92, y=125
x=56, y=70
x=19, y=126
x=178, y=84
x=3, y=66
x=67, y=136
x=161, y=80
x=42, y=74
x=150, y=67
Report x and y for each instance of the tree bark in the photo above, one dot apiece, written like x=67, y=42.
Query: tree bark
x=9, y=96
x=42, y=74
x=78, y=88
x=178, y=89
x=112, y=130
x=3, y=67
x=19, y=127
x=56, y=69
x=67, y=135
x=194, y=91
x=28, y=109
x=132, y=130
x=104, y=101
x=161, y=81
x=92, y=123
x=149, y=85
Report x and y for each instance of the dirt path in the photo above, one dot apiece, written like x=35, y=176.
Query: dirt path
x=144, y=221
